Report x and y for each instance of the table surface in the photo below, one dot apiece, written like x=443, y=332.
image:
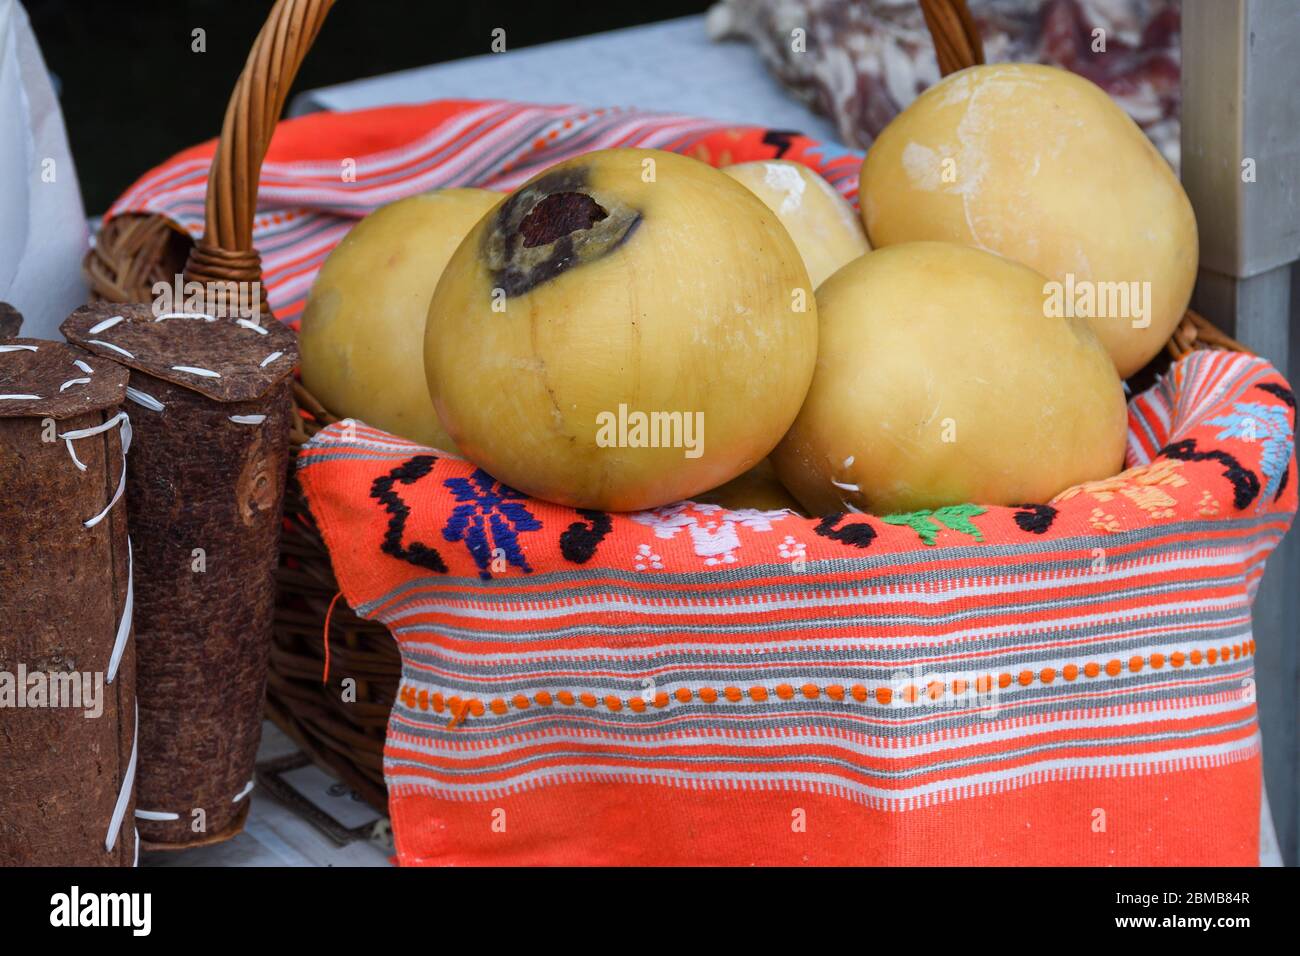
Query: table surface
x=670, y=66
x=274, y=834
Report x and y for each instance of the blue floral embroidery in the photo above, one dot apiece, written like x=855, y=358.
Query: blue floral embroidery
x=490, y=516
x=1268, y=424
x=829, y=152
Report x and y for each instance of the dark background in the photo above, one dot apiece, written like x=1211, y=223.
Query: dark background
x=133, y=92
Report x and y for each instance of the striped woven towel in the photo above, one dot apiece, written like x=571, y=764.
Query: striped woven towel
x=325, y=171
x=1062, y=682
x=1067, y=682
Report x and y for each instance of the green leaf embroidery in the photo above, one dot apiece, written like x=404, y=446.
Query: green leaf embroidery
x=953, y=517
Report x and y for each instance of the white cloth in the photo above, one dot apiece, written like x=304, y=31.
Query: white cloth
x=671, y=66
x=43, y=234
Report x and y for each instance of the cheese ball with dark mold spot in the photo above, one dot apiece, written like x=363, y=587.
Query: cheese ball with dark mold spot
x=629, y=328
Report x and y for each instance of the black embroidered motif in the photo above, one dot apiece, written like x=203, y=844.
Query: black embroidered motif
x=859, y=535
x=1245, y=483
x=382, y=491
x=1281, y=391
x=580, y=541
x=1035, y=519
x=779, y=138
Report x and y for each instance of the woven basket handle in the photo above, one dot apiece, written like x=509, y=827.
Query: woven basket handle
x=226, y=253
x=956, y=40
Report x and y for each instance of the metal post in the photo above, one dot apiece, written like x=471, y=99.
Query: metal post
x=1241, y=168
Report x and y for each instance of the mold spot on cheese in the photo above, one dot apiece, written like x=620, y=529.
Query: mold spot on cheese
x=553, y=225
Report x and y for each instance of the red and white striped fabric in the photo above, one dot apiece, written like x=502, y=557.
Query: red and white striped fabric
x=325, y=171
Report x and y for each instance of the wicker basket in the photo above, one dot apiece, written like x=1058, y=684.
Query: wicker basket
x=134, y=251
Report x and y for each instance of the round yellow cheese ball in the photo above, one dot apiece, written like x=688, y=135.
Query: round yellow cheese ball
x=629, y=328
x=1041, y=166
x=940, y=381
x=758, y=489
x=362, y=334
x=824, y=227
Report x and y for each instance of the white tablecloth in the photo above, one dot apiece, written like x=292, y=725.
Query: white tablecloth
x=670, y=66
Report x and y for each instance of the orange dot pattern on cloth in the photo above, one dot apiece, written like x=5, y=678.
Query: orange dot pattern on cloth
x=884, y=695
